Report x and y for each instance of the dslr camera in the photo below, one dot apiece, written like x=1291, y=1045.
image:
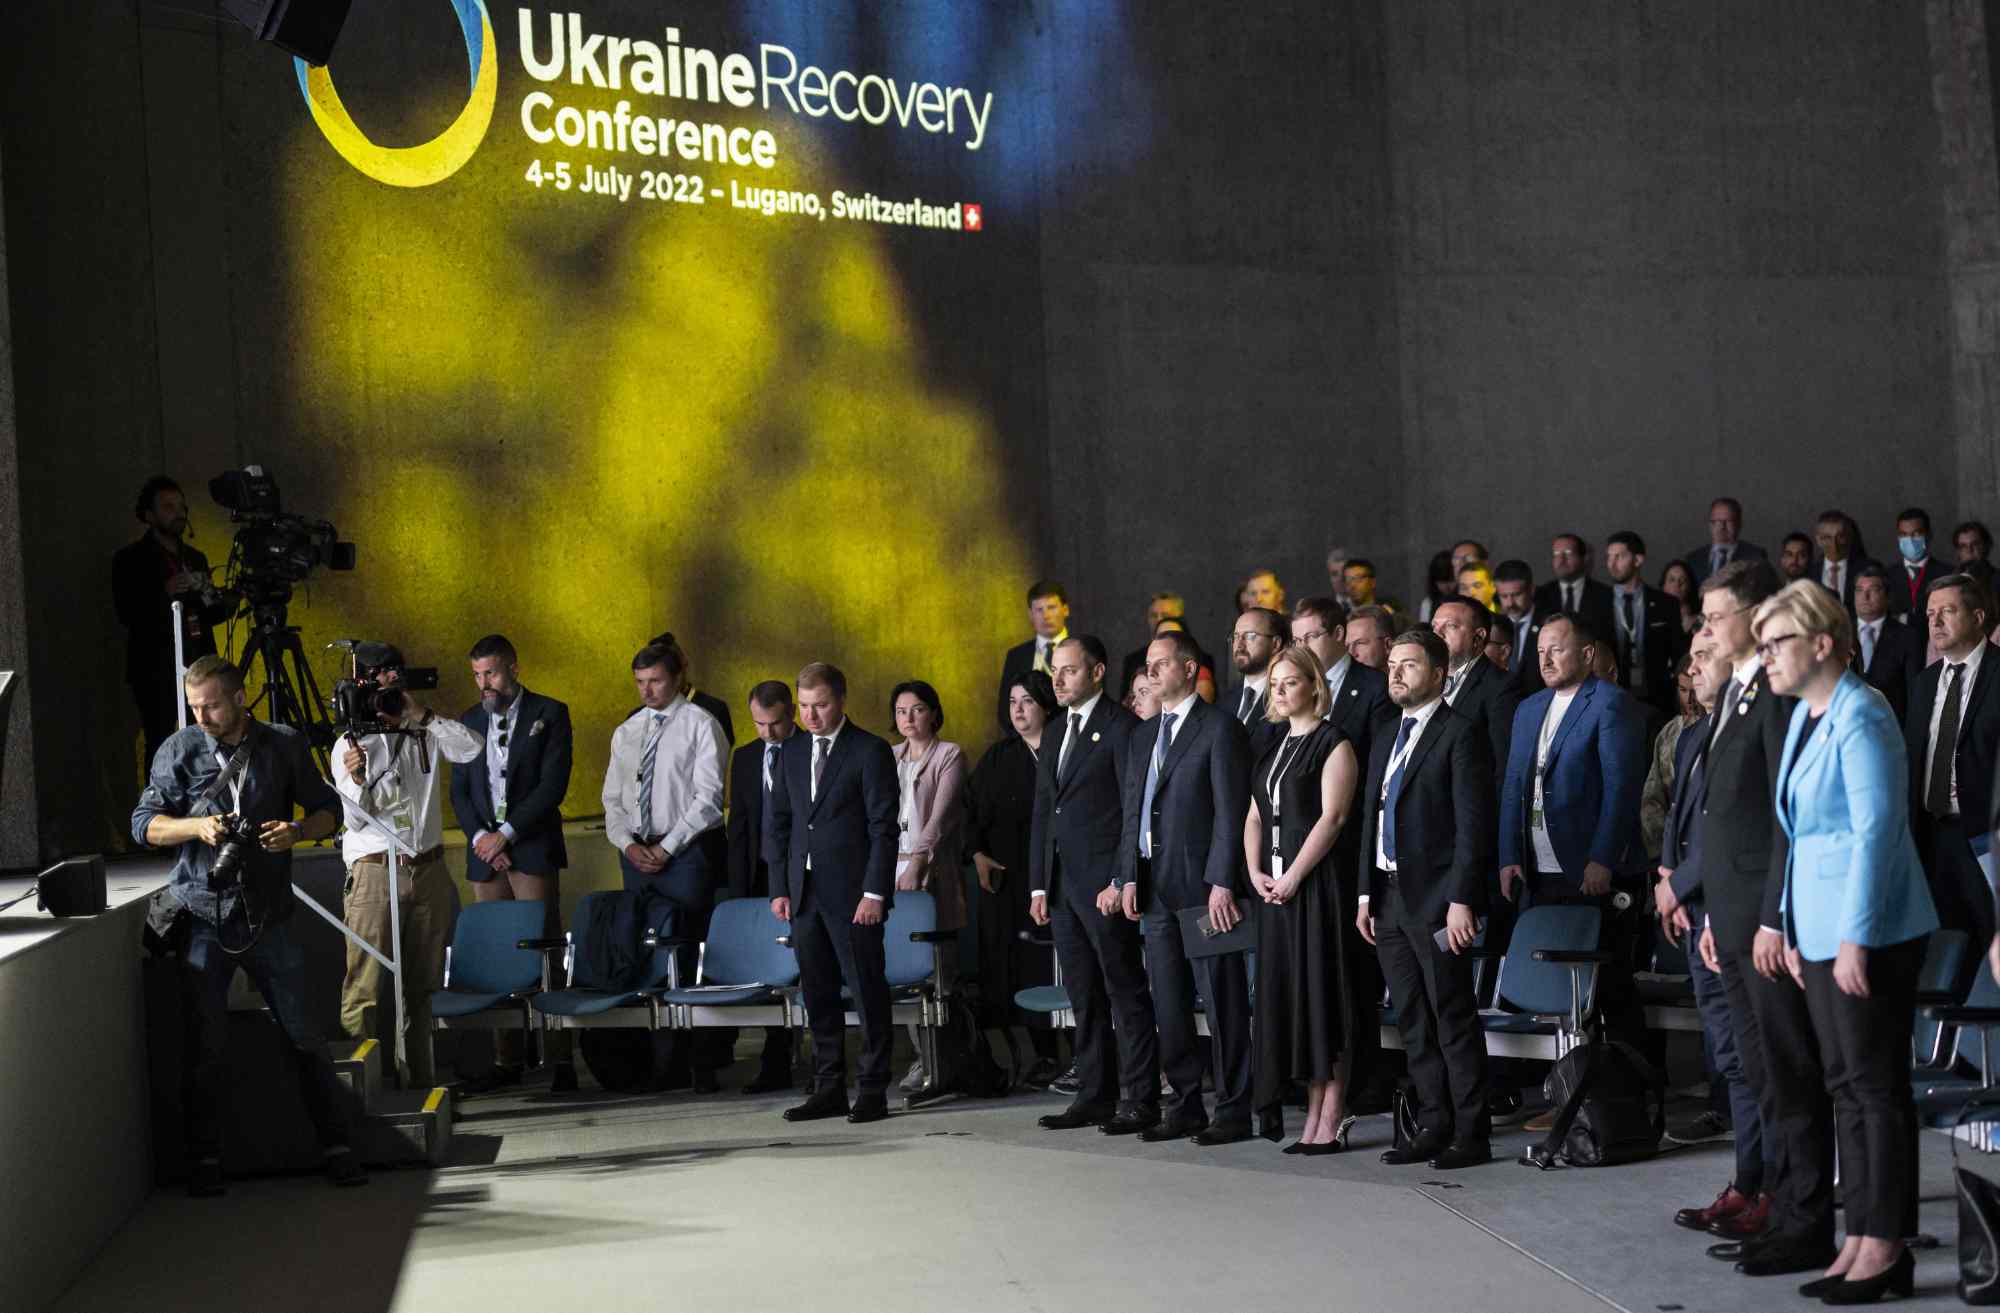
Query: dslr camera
x=239, y=840
x=370, y=699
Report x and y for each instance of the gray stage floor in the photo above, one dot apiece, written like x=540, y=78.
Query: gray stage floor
x=686, y=1202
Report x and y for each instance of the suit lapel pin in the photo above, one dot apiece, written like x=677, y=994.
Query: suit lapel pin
x=535, y=729
x=1095, y=737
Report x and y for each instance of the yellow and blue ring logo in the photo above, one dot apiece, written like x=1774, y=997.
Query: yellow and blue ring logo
x=434, y=160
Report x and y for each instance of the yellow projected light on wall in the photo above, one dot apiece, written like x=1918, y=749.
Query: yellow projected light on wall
x=581, y=423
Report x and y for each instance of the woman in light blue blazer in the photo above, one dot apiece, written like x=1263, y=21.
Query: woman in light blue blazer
x=1857, y=915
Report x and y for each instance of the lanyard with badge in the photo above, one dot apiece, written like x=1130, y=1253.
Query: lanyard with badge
x=1550, y=724
x=500, y=750
x=1274, y=782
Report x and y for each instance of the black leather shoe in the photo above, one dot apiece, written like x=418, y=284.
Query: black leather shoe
x=1783, y=1260
x=770, y=1082
x=564, y=1079
x=832, y=1103
x=704, y=1082
x=1215, y=1135
x=1177, y=1129
x=1131, y=1121
x=1471, y=1153
x=1733, y=1251
x=1073, y=1119
x=869, y=1108
x=1420, y=1150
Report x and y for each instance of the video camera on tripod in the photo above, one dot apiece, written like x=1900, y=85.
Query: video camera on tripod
x=272, y=550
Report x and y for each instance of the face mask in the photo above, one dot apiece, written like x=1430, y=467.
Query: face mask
x=1914, y=548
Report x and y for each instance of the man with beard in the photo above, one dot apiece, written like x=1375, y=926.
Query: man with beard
x=147, y=577
x=509, y=804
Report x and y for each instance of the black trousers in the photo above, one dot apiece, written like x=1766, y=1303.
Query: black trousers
x=1866, y=1044
x=1366, y=1070
x=1780, y=1056
x=1225, y=989
x=1616, y=995
x=832, y=949
x=156, y=696
x=1439, y=1020
x=1958, y=886
x=686, y=883
x=1104, y=970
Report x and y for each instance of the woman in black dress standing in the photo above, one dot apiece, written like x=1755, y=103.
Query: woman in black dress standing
x=1002, y=802
x=1303, y=786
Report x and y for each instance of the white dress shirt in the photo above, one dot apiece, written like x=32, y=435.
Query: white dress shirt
x=399, y=791
x=499, y=747
x=1336, y=678
x=1538, y=826
x=1965, y=681
x=1079, y=716
x=687, y=776
x=1454, y=679
x=1422, y=715
x=1741, y=674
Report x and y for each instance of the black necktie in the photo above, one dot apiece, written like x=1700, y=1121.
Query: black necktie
x=1069, y=739
x=1249, y=704
x=1937, y=800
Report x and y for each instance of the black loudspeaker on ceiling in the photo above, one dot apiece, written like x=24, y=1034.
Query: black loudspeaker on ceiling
x=306, y=28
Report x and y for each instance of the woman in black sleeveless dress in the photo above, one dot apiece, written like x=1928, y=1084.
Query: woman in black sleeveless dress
x=1303, y=785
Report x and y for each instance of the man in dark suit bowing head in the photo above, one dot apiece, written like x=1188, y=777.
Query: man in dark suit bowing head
x=509, y=803
x=1073, y=859
x=1426, y=847
x=830, y=839
x=753, y=771
x=1187, y=788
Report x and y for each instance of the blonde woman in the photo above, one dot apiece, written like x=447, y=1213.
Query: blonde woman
x=1303, y=787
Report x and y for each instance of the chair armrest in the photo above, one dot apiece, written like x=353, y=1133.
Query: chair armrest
x=1573, y=956
x=653, y=940
x=1936, y=998
x=542, y=945
x=1041, y=941
x=1481, y=950
x=932, y=936
x=784, y=941
x=1963, y=1016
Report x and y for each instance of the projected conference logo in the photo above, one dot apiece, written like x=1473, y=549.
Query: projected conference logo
x=656, y=141
x=434, y=160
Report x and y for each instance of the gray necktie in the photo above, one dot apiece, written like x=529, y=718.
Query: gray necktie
x=821, y=748
x=1723, y=705
x=1153, y=784
x=1248, y=705
x=1717, y=558
x=1868, y=638
x=770, y=756
x=646, y=766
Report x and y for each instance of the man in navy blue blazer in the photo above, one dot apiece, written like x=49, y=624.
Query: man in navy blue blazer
x=509, y=803
x=1569, y=802
x=830, y=840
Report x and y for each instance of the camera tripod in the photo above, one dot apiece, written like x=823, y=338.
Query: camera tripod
x=290, y=695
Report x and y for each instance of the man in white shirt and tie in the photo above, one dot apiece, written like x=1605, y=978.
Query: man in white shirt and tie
x=1833, y=532
x=1048, y=615
x=662, y=793
x=1258, y=636
x=1952, y=737
x=1887, y=653
x=1725, y=524
x=752, y=773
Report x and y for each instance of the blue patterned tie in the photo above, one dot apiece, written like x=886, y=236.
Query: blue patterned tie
x=1395, y=789
x=646, y=779
x=1153, y=785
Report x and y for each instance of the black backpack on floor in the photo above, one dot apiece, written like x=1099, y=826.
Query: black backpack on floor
x=1611, y=1107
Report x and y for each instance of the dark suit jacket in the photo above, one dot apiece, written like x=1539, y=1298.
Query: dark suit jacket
x=1743, y=863
x=1697, y=560
x=1197, y=817
x=1019, y=661
x=849, y=831
x=538, y=761
x=1080, y=812
x=1590, y=785
x=1361, y=710
x=1978, y=744
x=1854, y=562
x=139, y=593
x=1526, y=672
x=1680, y=841
x=715, y=707
x=1665, y=642
x=749, y=873
x=1898, y=663
x=1445, y=819
x=1905, y=602
x=1489, y=700
x=1595, y=606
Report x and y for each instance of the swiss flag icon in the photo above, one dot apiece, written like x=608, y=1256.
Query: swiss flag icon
x=973, y=219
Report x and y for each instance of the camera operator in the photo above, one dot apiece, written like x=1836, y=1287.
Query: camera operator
x=147, y=577
x=391, y=774
x=235, y=888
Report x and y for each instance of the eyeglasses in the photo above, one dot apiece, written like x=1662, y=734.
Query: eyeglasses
x=1314, y=636
x=1769, y=647
x=1720, y=616
x=1238, y=640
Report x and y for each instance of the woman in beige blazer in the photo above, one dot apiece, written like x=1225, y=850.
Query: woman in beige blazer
x=930, y=776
